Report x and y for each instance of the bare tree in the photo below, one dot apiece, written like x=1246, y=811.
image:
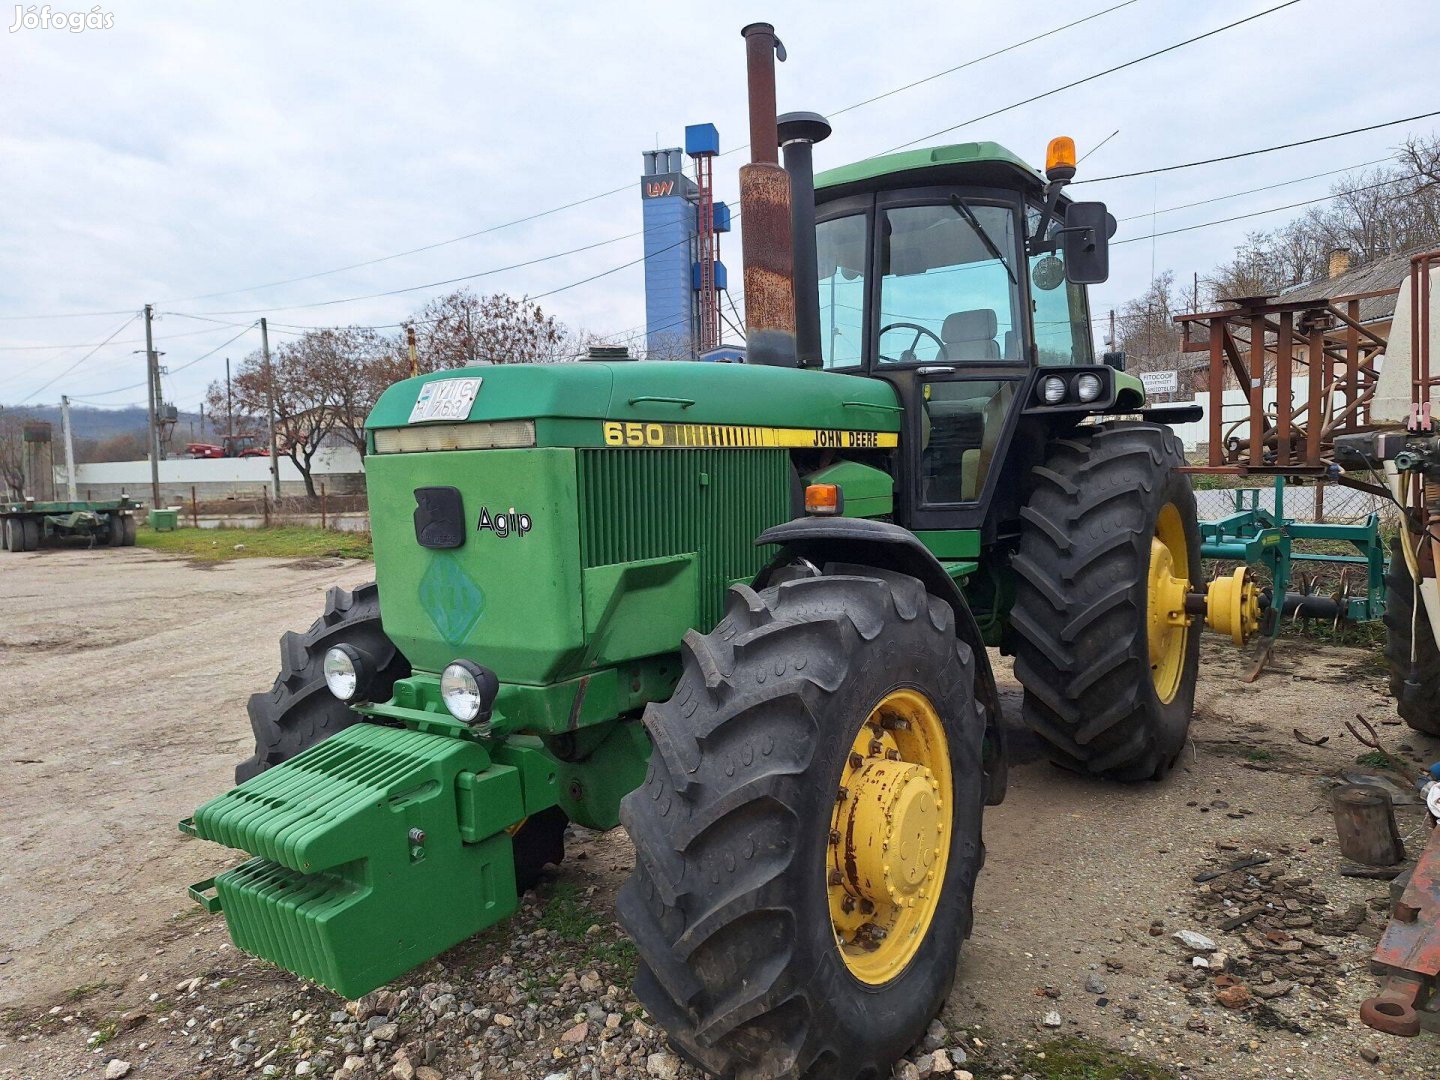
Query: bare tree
x=12, y=452
x=300, y=384
x=461, y=327
x=357, y=365
x=1144, y=326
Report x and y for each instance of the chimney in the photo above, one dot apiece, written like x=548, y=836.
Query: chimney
x=1339, y=262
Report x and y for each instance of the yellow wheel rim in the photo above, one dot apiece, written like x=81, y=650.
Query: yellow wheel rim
x=890, y=837
x=1168, y=625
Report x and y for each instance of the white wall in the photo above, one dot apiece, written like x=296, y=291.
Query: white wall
x=341, y=468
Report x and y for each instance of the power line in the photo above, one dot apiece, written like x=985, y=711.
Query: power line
x=448, y=281
x=1259, y=213
x=1262, y=150
x=175, y=371
x=91, y=344
x=979, y=59
x=1253, y=191
x=65, y=315
x=87, y=356
x=1098, y=74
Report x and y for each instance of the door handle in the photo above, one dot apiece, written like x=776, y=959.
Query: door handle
x=934, y=369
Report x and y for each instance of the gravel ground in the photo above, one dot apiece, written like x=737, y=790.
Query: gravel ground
x=121, y=701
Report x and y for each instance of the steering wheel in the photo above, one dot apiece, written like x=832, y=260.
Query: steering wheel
x=920, y=331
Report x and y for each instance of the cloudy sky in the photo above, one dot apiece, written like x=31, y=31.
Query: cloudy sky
x=195, y=155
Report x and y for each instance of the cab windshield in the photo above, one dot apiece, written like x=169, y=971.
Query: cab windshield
x=949, y=289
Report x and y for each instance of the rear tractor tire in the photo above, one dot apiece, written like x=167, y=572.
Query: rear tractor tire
x=1109, y=546
x=299, y=710
x=1410, y=650
x=808, y=835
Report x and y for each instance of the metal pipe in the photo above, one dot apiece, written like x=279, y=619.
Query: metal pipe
x=798, y=133
x=766, y=242
x=761, y=48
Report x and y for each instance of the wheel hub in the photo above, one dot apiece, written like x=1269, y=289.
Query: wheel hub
x=893, y=832
x=890, y=836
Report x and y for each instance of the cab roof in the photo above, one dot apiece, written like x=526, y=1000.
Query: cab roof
x=985, y=162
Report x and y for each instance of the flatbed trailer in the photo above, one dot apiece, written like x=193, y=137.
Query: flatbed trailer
x=26, y=525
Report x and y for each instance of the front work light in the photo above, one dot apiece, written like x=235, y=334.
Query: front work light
x=468, y=691
x=1088, y=387
x=1052, y=390
x=347, y=671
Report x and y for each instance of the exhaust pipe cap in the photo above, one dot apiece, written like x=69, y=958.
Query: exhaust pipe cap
x=803, y=127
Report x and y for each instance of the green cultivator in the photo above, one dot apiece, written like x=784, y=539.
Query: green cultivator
x=744, y=610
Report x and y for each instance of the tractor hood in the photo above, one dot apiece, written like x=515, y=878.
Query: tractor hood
x=555, y=395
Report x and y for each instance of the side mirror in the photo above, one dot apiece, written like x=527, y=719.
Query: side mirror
x=1085, y=241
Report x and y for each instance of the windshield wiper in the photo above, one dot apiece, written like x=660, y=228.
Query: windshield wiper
x=962, y=208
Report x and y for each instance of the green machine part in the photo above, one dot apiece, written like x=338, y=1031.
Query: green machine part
x=1256, y=535
x=374, y=850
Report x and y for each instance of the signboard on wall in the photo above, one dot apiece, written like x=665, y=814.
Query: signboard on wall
x=1160, y=382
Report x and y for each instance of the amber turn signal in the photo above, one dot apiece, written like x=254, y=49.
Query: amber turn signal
x=824, y=499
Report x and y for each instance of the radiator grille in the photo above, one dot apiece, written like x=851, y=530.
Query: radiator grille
x=646, y=504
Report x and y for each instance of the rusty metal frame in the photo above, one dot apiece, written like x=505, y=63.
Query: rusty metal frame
x=1322, y=343
x=1422, y=381
x=1409, y=951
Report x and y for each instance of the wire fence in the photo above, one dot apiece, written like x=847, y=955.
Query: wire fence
x=1318, y=503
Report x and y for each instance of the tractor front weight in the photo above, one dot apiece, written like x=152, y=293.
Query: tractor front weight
x=380, y=847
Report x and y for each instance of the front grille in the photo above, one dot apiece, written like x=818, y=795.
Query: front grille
x=646, y=504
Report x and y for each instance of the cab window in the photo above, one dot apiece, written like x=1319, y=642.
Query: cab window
x=949, y=289
x=840, y=251
x=1061, y=311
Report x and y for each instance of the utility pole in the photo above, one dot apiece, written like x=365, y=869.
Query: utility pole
x=152, y=371
x=229, y=403
x=414, y=360
x=69, y=435
x=270, y=405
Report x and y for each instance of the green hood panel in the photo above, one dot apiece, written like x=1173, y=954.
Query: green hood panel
x=675, y=391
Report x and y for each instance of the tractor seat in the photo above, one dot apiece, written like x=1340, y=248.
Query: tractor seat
x=970, y=335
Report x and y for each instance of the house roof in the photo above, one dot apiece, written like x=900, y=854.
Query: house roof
x=1386, y=272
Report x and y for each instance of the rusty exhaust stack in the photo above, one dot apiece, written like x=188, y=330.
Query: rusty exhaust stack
x=765, y=206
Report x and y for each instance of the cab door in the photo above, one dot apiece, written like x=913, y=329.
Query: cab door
x=949, y=296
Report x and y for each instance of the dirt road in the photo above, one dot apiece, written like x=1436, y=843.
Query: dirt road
x=122, y=692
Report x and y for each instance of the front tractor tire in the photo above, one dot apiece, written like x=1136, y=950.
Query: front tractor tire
x=808, y=836
x=1410, y=651
x=1109, y=546
x=299, y=710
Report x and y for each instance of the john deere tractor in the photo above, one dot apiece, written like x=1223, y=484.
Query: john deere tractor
x=745, y=611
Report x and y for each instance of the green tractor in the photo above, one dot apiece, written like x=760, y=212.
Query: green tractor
x=744, y=610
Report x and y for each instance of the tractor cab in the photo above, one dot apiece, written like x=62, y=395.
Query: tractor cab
x=957, y=274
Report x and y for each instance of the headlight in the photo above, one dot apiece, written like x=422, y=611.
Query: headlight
x=346, y=671
x=468, y=690
x=1052, y=389
x=1088, y=387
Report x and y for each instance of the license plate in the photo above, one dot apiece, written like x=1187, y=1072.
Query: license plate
x=445, y=399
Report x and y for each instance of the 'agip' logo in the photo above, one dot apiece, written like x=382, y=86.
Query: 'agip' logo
x=503, y=524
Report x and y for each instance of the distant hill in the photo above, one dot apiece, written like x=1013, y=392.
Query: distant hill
x=107, y=423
